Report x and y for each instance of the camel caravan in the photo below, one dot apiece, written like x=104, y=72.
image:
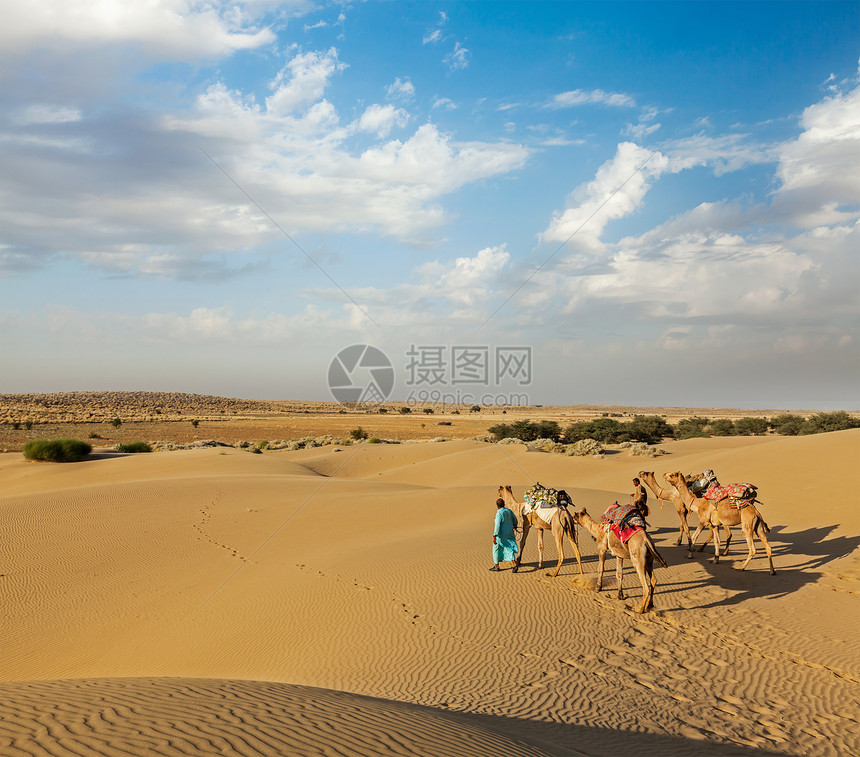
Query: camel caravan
x=622, y=529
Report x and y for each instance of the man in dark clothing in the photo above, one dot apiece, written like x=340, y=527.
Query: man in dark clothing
x=640, y=498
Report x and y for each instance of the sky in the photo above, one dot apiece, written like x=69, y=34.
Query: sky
x=525, y=202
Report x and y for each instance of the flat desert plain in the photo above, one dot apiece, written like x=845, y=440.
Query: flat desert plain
x=337, y=601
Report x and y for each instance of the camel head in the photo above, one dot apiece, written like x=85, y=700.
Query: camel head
x=672, y=478
x=578, y=516
x=646, y=474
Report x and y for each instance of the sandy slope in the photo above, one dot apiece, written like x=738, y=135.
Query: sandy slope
x=190, y=600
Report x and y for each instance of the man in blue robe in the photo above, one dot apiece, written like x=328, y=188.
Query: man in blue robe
x=504, y=541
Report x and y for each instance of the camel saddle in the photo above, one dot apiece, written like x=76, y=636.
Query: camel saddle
x=698, y=483
x=540, y=496
x=739, y=495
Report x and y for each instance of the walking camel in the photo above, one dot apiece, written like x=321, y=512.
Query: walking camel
x=560, y=524
x=639, y=549
x=714, y=514
x=670, y=495
x=693, y=502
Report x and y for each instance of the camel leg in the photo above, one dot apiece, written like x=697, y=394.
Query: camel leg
x=728, y=533
x=715, y=532
x=760, y=530
x=685, y=529
x=639, y=565
x=696, y=536
x=576, y=552
x=601, y=564
x=522, y=541
x=558, y=533
x=540, y=548
x=619, y=576
x=748, y=535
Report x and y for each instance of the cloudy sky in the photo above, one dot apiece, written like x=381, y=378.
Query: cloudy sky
x=658, y=203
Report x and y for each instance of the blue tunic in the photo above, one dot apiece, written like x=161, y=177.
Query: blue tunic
x=505, y=547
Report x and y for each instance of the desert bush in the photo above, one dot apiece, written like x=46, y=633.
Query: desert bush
x=57, y=450
x=358, y=433
x=405, y=410
x=751, y=426
x=16, y=426
x=650, y=429
x=383, y=410
x=510, y=440
x=195, y=423
x=374, y=440
x=475, y=409
x=688, y=428
x=640, y=449
x=133, y=447
x=787, y=424
x=721, y=427
x=545, y=444
x=821, y=423
x=116, y=423
x=94, y=435
x=428, y=410
x=263, y=444
x=28, y=425
x=585, y=447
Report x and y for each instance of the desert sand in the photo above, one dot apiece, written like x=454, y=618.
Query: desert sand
x=337, y=601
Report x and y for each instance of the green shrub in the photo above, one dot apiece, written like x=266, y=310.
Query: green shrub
x=133, y=447
x=689, y=428
x=373, y=440
x=16, y=425
x=263, y=444
x=405, y=410
x=116, y=423
x=28, y=425
x=751, y=426
x=821, y=423
x=428, y=410
x=787, y=424
x=57, y=450
x=650, y=429
x=358, y=433
x=722, y=427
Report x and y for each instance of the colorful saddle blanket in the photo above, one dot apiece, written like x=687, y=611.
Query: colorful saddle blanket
x=743, y=492
x=541, y=496
x=622, y=520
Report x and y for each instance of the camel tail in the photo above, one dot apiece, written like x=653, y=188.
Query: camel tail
x=760, y=522
x=569, y=525
x=653, y=550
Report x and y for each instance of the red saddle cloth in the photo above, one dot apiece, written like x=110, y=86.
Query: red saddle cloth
x=624, y=533
x=734, y=491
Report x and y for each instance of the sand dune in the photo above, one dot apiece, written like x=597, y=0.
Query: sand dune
x=337, y=601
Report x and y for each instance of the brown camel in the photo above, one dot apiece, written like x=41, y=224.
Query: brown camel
x=716, y=513
x=560, y=524
x=669, y=495
x=639, y=548
x=693, y=503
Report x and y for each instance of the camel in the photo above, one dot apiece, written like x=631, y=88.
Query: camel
x=715, y=513
x=639, y=548
x=669, y=495
x=693, y=502
x=561, y=524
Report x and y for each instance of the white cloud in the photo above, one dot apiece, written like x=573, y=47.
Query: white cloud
x=458, y=58
x=444, y=102
x=820, y=183
x=177, y=29
x=432, y=37
x=617, y=189
x=44, y=113
x=402, y=89
x=303, y=80
x=594, y=97
x=381, y=119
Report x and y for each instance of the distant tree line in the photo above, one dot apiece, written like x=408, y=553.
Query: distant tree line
x=652, y=429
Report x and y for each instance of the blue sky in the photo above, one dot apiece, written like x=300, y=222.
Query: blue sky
x=660, y=200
